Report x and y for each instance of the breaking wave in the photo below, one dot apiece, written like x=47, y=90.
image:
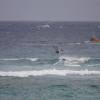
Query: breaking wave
x=66, y=60
x=44, y=26
x=14, y=59
x=74, y=60
x=48, y=72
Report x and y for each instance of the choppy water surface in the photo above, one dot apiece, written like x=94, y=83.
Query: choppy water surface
x=31, y=69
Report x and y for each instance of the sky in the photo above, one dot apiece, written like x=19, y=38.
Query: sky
x=50, y=10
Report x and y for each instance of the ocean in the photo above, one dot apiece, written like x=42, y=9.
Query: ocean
x=49, y=61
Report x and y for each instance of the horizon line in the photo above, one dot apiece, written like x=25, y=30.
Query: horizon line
x=47, y=21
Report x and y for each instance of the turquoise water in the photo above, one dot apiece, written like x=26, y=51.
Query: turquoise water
x=50, y=88
x=31, y=69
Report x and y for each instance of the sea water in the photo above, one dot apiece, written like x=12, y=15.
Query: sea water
x=31, y=68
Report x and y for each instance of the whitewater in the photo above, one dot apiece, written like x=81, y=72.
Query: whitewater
x=31, y=68
x=48, y=72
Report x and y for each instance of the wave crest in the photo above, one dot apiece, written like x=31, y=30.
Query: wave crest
x=48, y=72
x=74, y=60
x=14, y=59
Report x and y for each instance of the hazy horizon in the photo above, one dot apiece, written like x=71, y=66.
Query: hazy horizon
x=50, y=10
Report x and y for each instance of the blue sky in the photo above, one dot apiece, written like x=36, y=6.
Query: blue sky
x=50, y=10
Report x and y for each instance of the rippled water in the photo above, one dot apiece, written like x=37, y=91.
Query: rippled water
x=31, y=69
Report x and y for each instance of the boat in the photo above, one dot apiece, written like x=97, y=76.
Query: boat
x=94, y=39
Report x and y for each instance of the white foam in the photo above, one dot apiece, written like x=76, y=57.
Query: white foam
x=92, y=65
x=74, y=60
x=32, y=59
x=86, y=41
x=75, y=43
x=48, y=72
x=8, y=59
x=44, y=26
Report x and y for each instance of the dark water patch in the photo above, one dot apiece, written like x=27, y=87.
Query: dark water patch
x=94, y=86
